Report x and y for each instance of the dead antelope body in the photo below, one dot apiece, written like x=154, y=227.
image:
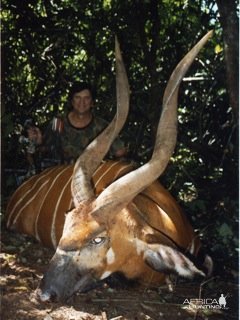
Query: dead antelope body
x=123, y=220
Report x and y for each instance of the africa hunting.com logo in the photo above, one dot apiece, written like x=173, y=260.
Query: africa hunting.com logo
x=206, y=303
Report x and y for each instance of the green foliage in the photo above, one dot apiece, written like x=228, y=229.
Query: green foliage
x=48, y=44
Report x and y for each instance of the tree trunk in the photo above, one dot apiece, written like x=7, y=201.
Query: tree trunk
x=229, y=23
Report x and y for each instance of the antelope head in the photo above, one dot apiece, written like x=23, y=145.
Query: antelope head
x=105, y=234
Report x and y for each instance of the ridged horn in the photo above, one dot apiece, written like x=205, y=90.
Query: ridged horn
x=121, y=192
x=90, y=159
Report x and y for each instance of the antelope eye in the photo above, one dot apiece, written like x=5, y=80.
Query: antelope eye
x=98, y=240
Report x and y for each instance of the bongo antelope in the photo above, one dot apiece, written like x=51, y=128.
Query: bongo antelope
x=120, y=218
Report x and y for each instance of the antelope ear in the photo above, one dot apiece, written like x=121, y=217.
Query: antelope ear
x=170, y=261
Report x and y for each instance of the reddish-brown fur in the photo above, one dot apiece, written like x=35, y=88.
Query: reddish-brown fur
x=36, y=215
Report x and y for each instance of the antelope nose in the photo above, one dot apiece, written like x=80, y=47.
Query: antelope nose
x=47, y=295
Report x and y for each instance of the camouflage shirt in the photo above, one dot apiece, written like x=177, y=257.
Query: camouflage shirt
x=72, y=141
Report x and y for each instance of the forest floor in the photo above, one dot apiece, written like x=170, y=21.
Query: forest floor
x=23, y=261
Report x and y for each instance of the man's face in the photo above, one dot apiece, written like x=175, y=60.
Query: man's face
x=82, y=102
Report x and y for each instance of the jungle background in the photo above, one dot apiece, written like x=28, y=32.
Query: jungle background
x=47, y=44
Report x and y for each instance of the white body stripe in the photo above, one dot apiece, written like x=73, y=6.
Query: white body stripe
x=28, y=202
x=40, y=207
x=25, y=194
x=104, y=173
x=53, y=231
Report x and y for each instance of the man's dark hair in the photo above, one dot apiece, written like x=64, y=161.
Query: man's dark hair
x=79, y=86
